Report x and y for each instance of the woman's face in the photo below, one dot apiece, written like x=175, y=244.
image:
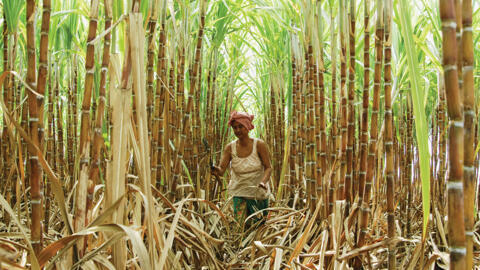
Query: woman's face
x=239, y=129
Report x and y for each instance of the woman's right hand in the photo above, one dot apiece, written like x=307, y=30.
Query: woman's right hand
x=215, y=170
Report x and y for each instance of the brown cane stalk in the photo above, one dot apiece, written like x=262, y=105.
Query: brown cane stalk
x=351, y=110
x=372, y=150
x=84, y=144
x=467, y=53
x=36, y=199
x=390, y=170
x=343, y=109
x=456, y=227
x=98, y=135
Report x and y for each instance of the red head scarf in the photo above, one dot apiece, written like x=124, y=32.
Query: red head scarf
x=243, y=118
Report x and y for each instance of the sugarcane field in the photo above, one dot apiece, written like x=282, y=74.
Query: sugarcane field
x=239, y=134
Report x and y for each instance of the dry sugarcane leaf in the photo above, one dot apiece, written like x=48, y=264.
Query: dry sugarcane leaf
x=89, y=265
x=94, y=253
x=115, y=182
x=6, y=206
x=417, y=252
x=138, y=246
x=286, y=158
x=305, y=235
x=277, y=219
x=260, y=246
x=348, y=223
x=285, y=232
x=430, y=261
x=81, y=200
x=444, y=256
x=104, y=262
x=337, y=225
x=13, y=244
x=358, y=251
x=5, y=264
x=164, y=199
x=105, y=32
x=440, y=227
x=213, y=206
x=209, y=250
x=170, y=237
x=176, y=261
x=137, y=41
x=278, y=258
x=314, y=248
x=8, y=253
x=323, y=249
x=192, y=226
x=48, y=252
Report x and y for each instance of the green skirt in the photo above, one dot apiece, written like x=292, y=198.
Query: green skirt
x=244, y=207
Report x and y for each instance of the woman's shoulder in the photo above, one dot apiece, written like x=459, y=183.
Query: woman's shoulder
x=229, y=146
x=260, y=142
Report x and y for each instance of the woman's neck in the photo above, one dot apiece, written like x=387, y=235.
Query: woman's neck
x=244, y=140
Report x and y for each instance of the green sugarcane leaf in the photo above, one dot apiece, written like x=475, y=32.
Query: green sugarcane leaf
x=12, y=10
x=418, y=108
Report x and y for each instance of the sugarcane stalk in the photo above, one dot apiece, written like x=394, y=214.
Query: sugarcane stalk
x=343, y=109
x=302, y=125
x=323, y=132
x=188, y=110
x=364, y=124
x=197, y=131
x=458, y=31
x=467, y=53
x=403, y=182
x=388, y=136
x=159, y=115
x=318, y=165
x=36, y=199
x=72, y=119
x=59, y=150
x=195, y=81
x=84, y=144
x=292, y=181
x=455, y=189
x=180, y=93
x=410, y=157
x=169, y=126
x=98, y=134
x=51, y=156
x=365, y=103
x=5, y=148
x=299, y=117
x=350, y=110
x=372, y=148
x=335, y=142
x=310, y=136
x=52, y=151
x=152, y=23
x=272, y=129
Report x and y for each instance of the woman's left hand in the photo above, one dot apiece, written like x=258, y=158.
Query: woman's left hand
x=262, y=185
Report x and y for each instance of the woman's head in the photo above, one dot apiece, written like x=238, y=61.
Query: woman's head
x=239, y=121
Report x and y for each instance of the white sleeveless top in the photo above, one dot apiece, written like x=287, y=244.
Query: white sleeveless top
x=247, y=173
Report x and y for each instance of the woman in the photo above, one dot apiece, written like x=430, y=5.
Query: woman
x=250, y=162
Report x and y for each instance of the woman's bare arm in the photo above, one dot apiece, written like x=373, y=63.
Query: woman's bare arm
x=265, y=158
x=224, y=161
